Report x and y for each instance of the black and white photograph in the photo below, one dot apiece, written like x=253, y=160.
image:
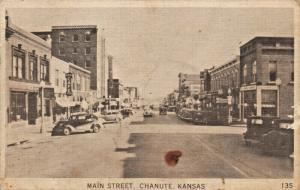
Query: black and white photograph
x=149, y=92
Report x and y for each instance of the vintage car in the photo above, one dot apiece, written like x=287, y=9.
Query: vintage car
x=171, y=108
x=257, y=126
x=280, y=140
x=79, y=122
x=126, y=112
x=148, y=112
x=185, y=114
x=163, y=110
x=205, y=117
x=111, y=116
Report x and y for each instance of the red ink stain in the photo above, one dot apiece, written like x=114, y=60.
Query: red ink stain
x=172, y=157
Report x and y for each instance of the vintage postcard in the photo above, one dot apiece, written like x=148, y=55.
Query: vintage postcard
x=149, y=95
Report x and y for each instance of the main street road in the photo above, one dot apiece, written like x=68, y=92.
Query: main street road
x=138, y=150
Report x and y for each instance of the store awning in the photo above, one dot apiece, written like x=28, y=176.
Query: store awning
x=66, y=103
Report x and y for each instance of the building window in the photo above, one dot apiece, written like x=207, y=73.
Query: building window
x=44, y=70
x=57, y=77
x=17, y=106
x=87, y=63
x=64, y=79
x=75, y=50
x=87, y=50
x=61, y=37
x=245, y=73
x=87, y=36
x=75, y=38
x=61, y=51
x=47, y=107
x=32, y=68
x=254, y=71
x=272, y=71
x=18, y=64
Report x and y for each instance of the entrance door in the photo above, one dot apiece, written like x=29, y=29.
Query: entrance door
x=32, y=108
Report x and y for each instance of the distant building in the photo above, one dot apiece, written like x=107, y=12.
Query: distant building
x=28, y=62
x=189, y=84
x=267, y=77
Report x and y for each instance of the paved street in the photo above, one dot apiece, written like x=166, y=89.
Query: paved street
x=138, y=149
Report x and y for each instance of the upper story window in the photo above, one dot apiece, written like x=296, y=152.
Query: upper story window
x=61, y=51
x=44, y=69
x=75, y=38
x=87, y=36
x=87, y=63
x=254, y=71
x=18, y=63
x=75, y=50
x=272, y=71
x=33, y=68
x=245, y=70
x=62, y=37
x=87, y=50
x=56, y=77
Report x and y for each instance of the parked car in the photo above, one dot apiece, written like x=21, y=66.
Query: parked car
x=185, y=114
x=163, y=110
x=126, y=112
x=171, y=108
x=148, y=112
x=111, y=116
x=79, y=122
x=257, y=126
x=280, y=140
x=206, y=117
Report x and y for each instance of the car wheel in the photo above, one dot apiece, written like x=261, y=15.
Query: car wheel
x=96, y=128
x=67, y=131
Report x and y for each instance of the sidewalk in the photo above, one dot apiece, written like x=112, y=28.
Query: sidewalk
x=25, y=134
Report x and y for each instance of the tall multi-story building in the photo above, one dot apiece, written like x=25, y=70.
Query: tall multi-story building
x=267, y=77
x=84, y=46
x=189, y=84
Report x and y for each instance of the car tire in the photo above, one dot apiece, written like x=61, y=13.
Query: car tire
x=67, y=131
x=96, y=128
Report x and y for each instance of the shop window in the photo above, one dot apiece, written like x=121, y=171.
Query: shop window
x=75, y=38
x=61, y=37
x=87, y=36
x=47, y=107
x=17, y=106
x=269, y=102
x=18, y=64
x=272, y=71
x=44, y=70
x=33, y=68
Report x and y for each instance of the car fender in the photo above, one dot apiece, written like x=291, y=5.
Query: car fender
x=97, y=123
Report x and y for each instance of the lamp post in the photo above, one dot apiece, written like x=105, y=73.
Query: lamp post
x=42, y=128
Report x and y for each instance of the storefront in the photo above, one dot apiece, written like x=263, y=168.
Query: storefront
x=259, y=101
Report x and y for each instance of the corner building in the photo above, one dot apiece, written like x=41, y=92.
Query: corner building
x=267, y=77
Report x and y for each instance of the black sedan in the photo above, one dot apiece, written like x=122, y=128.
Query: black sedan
x=80, y=122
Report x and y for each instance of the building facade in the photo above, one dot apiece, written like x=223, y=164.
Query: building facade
x=83, y=46
x=267, y=77
x=224, y=88
x=30, y=94
x=189, y=84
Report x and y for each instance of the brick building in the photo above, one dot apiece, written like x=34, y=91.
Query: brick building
x=84, y=46
x=30, y=94
x=224, y=88
x=267, y=77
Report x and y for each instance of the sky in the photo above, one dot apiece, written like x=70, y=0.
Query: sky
x=151, y=46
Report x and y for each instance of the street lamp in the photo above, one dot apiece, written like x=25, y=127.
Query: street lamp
x=43, y=85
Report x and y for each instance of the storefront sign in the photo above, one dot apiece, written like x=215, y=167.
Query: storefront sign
x=221, y=101
x=244, y=88
x=69, y=84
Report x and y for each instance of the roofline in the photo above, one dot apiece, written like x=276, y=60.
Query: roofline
x=236, y=59
x=266, y=37
x=75, y=27
x=79, y=68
